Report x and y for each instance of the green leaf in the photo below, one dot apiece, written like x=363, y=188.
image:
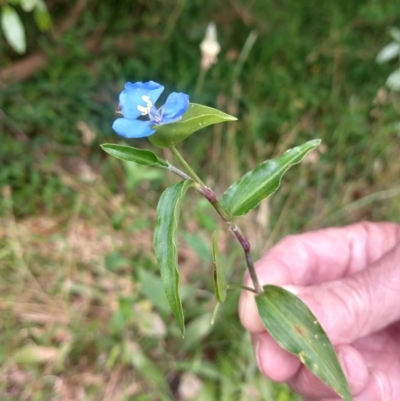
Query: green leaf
x=199, y=245
x=214, y=315
x=390, y=51
x=393, y=81
x=165, y=246
x=264, y=180
x=130, y=154
x=197, y=330
x=42, y=16
x=219, y=278
x=151, y=286
x=395, y=34
x=296, y=329
x=196, y=118
x=135, y=174
x=150, y=371
x=13, y=29
x=28, y=5
x=35, y=355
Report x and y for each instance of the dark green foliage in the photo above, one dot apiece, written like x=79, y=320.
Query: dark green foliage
x=310, y=74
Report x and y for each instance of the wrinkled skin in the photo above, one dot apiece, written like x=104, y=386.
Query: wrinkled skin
x=350, y=279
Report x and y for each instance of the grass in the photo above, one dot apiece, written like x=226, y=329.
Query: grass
x=82, y=311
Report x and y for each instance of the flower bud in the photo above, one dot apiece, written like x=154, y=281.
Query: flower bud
x=209, y=47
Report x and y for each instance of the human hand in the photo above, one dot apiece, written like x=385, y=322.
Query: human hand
x=350, y=279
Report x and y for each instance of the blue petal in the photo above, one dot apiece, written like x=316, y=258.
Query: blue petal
x=131, y=97
x=175, y=106
x=132, y=128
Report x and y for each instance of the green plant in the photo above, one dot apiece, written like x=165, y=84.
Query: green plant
x=284, y=315
x=389, y=52
x=12, y=25
x=310, y=74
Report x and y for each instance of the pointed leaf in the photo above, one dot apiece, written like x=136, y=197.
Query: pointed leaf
x=215, y=311
x=390, y=51
x=395, y=34
x=197, y=330
x=264, y=180
x=196, y=118
x=296, y=329
x=219, y=278
x=393, y=81
x=145, y=367
x=28, y=5
x=13, y=29
x=42, y=16
x=165, y=246
x=151, y=286
x=130, y=154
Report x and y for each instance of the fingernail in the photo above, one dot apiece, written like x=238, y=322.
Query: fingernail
x=383, y=384
x=256, y=353
x=344, y=363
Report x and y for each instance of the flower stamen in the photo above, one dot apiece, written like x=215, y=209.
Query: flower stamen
x=156, y=115
x=139, y=114
x=149, y=105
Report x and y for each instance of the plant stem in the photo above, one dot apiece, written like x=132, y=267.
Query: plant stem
x=186, y=165
x=244, y=54
x=240, y=287
x=209, y=194
x=244, y=243
x=178, y=172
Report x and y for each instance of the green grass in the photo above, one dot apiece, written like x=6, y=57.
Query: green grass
x=82, y=312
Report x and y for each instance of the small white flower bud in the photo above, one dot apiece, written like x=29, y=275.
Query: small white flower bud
x=209, y=47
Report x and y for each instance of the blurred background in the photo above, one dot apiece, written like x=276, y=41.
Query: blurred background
x=82, y=310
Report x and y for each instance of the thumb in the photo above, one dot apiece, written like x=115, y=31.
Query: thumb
x=359, y=304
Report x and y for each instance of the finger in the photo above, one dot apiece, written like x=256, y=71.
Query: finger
x=381, y=351
x=381, y=354
x=378, y=388
x=328, y=254
x=273, y=361
x=318, y=256
x=353, y=364
x=360, y=304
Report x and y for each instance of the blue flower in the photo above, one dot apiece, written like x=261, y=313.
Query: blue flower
x=138, y=100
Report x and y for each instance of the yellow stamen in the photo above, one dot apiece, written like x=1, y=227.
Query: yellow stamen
x=149, y=104
x=143, y=110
